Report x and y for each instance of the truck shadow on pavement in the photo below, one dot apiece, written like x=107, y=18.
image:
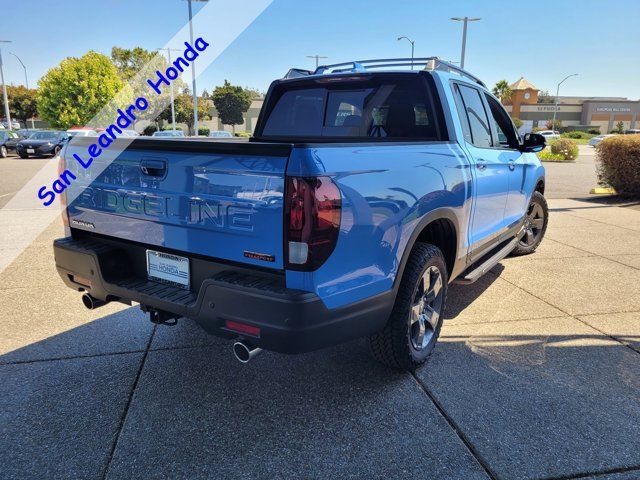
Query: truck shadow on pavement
x=131, y=400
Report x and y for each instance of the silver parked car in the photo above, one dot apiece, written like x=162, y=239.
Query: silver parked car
x=549, y=134
x=596, y=140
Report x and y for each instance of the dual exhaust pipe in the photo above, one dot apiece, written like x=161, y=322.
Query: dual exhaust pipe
x=242, y=350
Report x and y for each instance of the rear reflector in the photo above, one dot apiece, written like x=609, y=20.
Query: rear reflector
x=312, y=221
x=242, y=328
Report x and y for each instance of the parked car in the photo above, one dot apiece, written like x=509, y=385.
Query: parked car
x=26, y=132
x=43, y=142
x=130, y=133
x=8, y=141
x=596, y=140
x=14, y=125
x=168, y=133
x=549, y=134
x=220, y=134
x=82, y=132
x=361, y=197
x=632, y=131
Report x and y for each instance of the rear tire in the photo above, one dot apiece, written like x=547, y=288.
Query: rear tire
x=413, y=328
x=3, y=152
x=535, y=226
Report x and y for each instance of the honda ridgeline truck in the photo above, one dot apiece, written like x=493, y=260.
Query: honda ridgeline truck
x=366, y=190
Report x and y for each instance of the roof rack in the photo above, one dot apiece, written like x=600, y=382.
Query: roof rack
x=359, y=66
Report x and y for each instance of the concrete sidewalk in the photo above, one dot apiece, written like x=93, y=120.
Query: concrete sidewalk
x=537, y=375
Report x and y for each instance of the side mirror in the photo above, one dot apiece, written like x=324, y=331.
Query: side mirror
x=533, y=142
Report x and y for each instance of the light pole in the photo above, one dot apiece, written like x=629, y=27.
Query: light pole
x=26, y=80
x=173, y=108
x=413, y=44
x=464, y=34
x=553, y=125
x=317, y=57
x=193, y=70
x=4, y=90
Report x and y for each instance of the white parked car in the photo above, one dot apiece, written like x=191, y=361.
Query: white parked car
x=220, y=134
x=549, y=134
x=168, y=133
x=82, y=132
x=596, y=140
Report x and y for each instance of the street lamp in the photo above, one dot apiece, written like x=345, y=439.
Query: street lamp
x=4, y=89
x=464, y=34
x=412, y=47
x=173, y=108
x=26, y=80
x=553, y=125
x=193, y=70
x=316, y=57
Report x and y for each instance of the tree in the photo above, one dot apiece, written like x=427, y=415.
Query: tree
x=551, y=126
x=231, y=102
x=502, y=90
x=76, y=90
x=517, y=122
x=619, y=128
x=23, y=103
x=544, y=97
x=184, y=110
x=130, y=61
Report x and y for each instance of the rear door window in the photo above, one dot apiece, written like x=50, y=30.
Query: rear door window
x=373, y=107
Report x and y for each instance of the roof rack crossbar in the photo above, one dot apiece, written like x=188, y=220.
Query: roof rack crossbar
x=430, y=63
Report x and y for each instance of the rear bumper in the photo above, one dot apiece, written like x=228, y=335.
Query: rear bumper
x=290, y=321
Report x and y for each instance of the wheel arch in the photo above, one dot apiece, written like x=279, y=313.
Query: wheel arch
x=440, y=228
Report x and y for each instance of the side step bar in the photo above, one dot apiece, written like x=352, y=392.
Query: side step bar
x=476, y=272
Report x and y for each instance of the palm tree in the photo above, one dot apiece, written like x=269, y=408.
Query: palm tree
x=502, y=90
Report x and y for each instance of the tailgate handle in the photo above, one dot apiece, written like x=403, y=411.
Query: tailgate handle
x=153, y=167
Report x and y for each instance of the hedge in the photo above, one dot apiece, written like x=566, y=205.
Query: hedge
x=565, y=147
x=619, y=164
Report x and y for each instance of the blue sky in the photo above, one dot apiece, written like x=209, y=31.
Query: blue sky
x=542, y=40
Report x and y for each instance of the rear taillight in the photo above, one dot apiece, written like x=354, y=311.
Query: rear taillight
x=312, y=221
x=63, y=196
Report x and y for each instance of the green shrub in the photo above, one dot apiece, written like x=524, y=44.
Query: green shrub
x=619, y=164
x=204, y=131
x=547, y=156
x=243, y=134
x=595, y=131
x=576, y=135
x=565, y=147
x=517, y=122
x=149, y=130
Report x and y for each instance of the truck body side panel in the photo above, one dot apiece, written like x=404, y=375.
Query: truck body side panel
x=386, y=190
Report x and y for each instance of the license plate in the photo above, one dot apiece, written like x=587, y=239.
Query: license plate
x=30, y=150
x=168, y=268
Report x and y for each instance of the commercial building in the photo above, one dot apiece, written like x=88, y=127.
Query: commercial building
x=602, y=113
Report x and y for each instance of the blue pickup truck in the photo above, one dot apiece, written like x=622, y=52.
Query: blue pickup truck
x=366, y=190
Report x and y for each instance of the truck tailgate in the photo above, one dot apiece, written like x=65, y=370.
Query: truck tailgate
x=220, y=200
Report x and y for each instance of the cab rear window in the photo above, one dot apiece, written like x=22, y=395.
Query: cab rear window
x=374, y=107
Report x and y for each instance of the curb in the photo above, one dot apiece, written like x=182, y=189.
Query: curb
x=602, y=191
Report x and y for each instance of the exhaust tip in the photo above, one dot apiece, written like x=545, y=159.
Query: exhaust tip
x=244, y=352
x=91, y=302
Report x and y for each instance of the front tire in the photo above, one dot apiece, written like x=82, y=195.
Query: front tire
x=535, y=225
x=23, y=155
x=3, y=152
x=413, y=328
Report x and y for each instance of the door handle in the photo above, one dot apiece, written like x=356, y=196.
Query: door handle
x=512, y=165
x=481, y=163
x=153, y=167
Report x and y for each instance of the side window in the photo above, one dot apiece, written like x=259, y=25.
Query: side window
x=477, y=117
x=502, y=124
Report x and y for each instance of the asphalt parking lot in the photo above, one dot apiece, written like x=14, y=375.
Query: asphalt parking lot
x=536, y=375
